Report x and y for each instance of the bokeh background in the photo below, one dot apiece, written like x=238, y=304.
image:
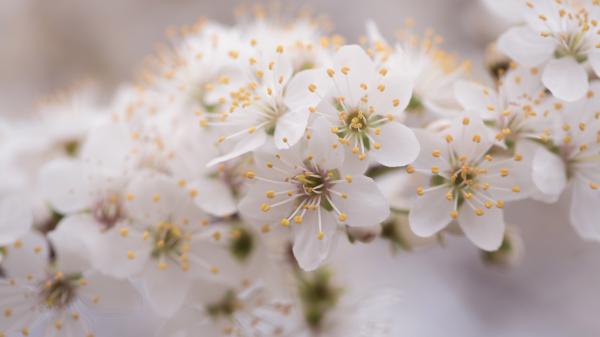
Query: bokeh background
x=447, y=291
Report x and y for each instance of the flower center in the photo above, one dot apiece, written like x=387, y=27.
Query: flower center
x=167, y=240
x=59, y=291
x=311, y=183
x=108, y=211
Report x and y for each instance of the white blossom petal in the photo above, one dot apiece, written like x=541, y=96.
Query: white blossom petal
x=16, y=218
x=430, y=213
x=526, y=46
x=399, y=145
x=485, y=231
x=365, y=205
x=308, y=249
x=565, y=78
x=585, y=211
x=66, y=185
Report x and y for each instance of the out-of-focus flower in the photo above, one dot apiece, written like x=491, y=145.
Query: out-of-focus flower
x=559, y=37
x=432, y=70
x=56, y=297
x=571, y=157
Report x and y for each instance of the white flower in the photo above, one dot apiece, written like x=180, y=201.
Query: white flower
x=275, y=102
x=243, y=310
x=365, y=106
x=432, y=70
x=166, y=241
x=517, y=110
x=468, y=183
x=56, y=297
x=572, y=156
x=561, y=38
x=93, y=185
x=310, y=188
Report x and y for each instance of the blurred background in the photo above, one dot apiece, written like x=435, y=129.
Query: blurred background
x=448, y=291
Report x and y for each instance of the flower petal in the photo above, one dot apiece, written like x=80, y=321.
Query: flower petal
x=585, y=212
x=594, y=59
x=216, y=197
x=430, y=213
x=485, y=231
x=399, y=145
x=16, y=218
x=352, y=67
x=308, y=249
x=65, y=184
x=245, y=144
x=28, y=256
x=323, y=145
x=72, y=240
x=290, y=128
x=121, y=255
x=526, y=46
x=476, y=97
x=565, y=78
x=549, y=173
x=365, y=205
x=110, y=295
x=391, y=94
x=165, y=289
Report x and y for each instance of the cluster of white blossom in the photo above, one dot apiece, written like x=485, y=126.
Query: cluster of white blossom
x=215, y=188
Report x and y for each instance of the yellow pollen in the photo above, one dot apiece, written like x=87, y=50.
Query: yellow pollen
x=420, y=191
x=348, y=178
x=516, y=189
x=298, y=219
x=124, y=232
x=466, y=121
x=500, y=203
x=342, y=217
x=453, y=214
x=503, y=172
x=265, y=207
x=345, y=70
x=270, y=194
x=130, y=255
x=478, y=211
x=321, y=235
x=250, y=174
x=284, y=222
x=156, y=197
x=410, y=169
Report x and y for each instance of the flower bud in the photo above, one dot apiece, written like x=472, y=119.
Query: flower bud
x=510, y=251
x=363, y=234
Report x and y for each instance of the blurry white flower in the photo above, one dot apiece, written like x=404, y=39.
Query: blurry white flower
x=275, y=102
x=572, y=156
x=244, y=310
x=560, y=37
x=432, y=70
x=468, y=184
x=56, y=297
x=166, y=241
x=517, y=110
x=311, y=189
